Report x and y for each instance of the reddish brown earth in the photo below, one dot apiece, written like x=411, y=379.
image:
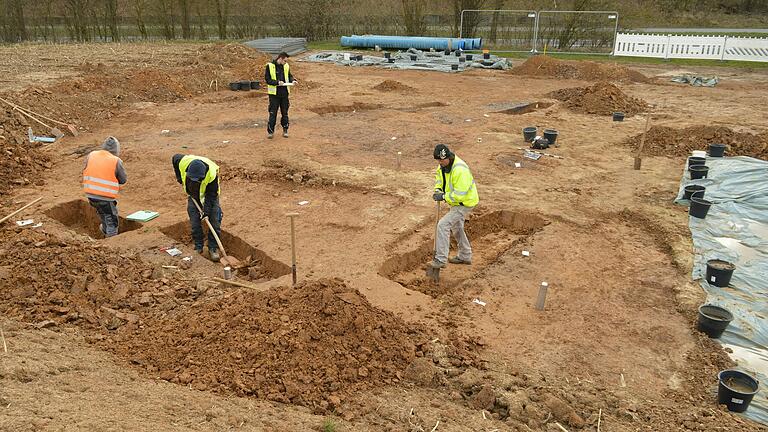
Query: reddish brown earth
x=116, y=334
x=670, y=141
x=602, y=98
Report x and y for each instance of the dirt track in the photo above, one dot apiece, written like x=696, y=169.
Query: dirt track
x=615, y=343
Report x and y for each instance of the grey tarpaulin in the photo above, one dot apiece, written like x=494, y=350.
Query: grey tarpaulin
x=736, y=230
x=696, y=81
x=425, y=60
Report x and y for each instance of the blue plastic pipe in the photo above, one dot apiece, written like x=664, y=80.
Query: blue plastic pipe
x=405, y=42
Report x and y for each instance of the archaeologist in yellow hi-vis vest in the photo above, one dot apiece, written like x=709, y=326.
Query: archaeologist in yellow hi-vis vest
x=279, y=80
x=199, y=176
x=455, y=185
x=103, y=177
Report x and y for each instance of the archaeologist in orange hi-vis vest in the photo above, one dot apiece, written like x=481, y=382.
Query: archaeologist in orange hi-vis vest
x=103, y=176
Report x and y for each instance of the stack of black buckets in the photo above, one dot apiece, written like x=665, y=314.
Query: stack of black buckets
x=735, y=388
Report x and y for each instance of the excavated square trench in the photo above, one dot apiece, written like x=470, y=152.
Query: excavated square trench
x=256, y=266
x=79, y=216
x=491, y=235
x=520, y=108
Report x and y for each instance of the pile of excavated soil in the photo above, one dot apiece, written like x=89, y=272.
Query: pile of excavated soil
x=21, y=162
x=50, y=281
x=602, y=98
x=544, y=66
x=307, y=345
x=392, y=85
x=103, y=91
x=667, y=141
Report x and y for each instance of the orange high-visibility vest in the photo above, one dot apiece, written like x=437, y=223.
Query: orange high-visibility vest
x=99, y=175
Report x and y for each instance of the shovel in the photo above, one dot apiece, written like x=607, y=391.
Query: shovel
x=52, y=130
x=432, y=272
x=226, y=261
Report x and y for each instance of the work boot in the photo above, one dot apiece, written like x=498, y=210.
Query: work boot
x=457, y=260
x=214, y=255
x=199, y=251
x=270, y=135
x=437, y=264
x=285, y=133
x=101, y=228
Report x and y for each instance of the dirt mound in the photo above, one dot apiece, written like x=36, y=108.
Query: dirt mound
x=46, y=279
x=392, y=85
x=667, y=141
x=20, y=161
x=584, y=70
x=602, y=98
x=307, y=345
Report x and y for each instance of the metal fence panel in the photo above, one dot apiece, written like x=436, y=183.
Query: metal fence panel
x=501, y=30
x=579, y=32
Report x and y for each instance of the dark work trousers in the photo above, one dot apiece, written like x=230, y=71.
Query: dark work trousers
x=107, y=211
x=197, y=225
x=275, y=103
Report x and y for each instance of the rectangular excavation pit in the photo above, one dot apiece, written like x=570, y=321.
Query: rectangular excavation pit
x=81, y=217
x=491, y=234
x=357, y=106
x=519, y=108
x=257, y=266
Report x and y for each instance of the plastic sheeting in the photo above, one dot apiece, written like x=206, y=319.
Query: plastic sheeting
x=696, y=81
x=425, y=60
x=405, y=42
x=736, y=230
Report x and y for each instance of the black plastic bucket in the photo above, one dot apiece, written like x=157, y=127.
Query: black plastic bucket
x=693, y=191
x=550, y=135
x=618, y=116
x=245, y=85
x=387, y=55
x=254, y=85
x=447, y=52
x=716, y=150
x=713, y=320
x=391, y=60
x=235, y=86
x=413, y=58
x=698, y=171
x=486, y=56
x=455, y=67
x=719, y=272
x=470, y=56
x=458, y=53
x=694, y=160
x=736, y=389
x=699, y=207
x=529, y=133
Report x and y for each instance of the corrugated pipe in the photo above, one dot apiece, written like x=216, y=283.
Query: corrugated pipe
x=405, y=42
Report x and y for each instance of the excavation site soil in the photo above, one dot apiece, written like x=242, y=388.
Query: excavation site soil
x=118, y=334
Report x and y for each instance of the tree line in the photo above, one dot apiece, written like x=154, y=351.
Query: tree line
x=116, y=20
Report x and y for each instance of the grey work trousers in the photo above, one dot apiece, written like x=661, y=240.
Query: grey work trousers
x=453, y=223
x=107, y=211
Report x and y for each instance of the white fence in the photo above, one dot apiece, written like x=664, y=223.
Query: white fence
x=691, y=47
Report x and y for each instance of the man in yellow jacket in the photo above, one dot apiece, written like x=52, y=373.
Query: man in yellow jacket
x=279, y=78
x=455, y=185
x=199, y=176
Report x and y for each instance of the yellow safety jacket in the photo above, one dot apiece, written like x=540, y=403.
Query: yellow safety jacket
x=273, y=74
x=213, y=171
x=458, y=184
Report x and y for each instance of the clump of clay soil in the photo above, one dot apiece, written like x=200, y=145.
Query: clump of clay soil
x=21, y=162
x=667, y=141
x=51, y=281
x=304, y=345
x=544, y=66
x=602, y=98
x=392, y=85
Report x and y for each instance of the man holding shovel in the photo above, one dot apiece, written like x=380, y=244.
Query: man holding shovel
x=199, y=176
x=455, y=185
x=103, y=176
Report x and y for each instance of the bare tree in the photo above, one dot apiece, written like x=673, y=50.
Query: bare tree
x=184, y=8
x=471, y=20
x=199, y=12
x=497, y=4
x=165, y=13
x=413, y=17
x=222, y=13
x=139, y=8
x=78, y=19
x=110, y=18
x=14, y=23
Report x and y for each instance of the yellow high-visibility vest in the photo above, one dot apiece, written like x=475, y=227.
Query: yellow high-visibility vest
x=213, y=171
x=459, y=186
x=273, y=74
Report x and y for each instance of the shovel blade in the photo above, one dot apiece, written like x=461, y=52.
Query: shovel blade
x=57, y=133
x=230, y=261
x=433, y=273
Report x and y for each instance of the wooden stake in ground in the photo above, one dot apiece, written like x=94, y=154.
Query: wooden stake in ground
x=239, y=284
x=292, y=216
x=19, y=210
x=638, y=160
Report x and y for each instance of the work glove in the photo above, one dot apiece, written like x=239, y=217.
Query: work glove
x=438, y=196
